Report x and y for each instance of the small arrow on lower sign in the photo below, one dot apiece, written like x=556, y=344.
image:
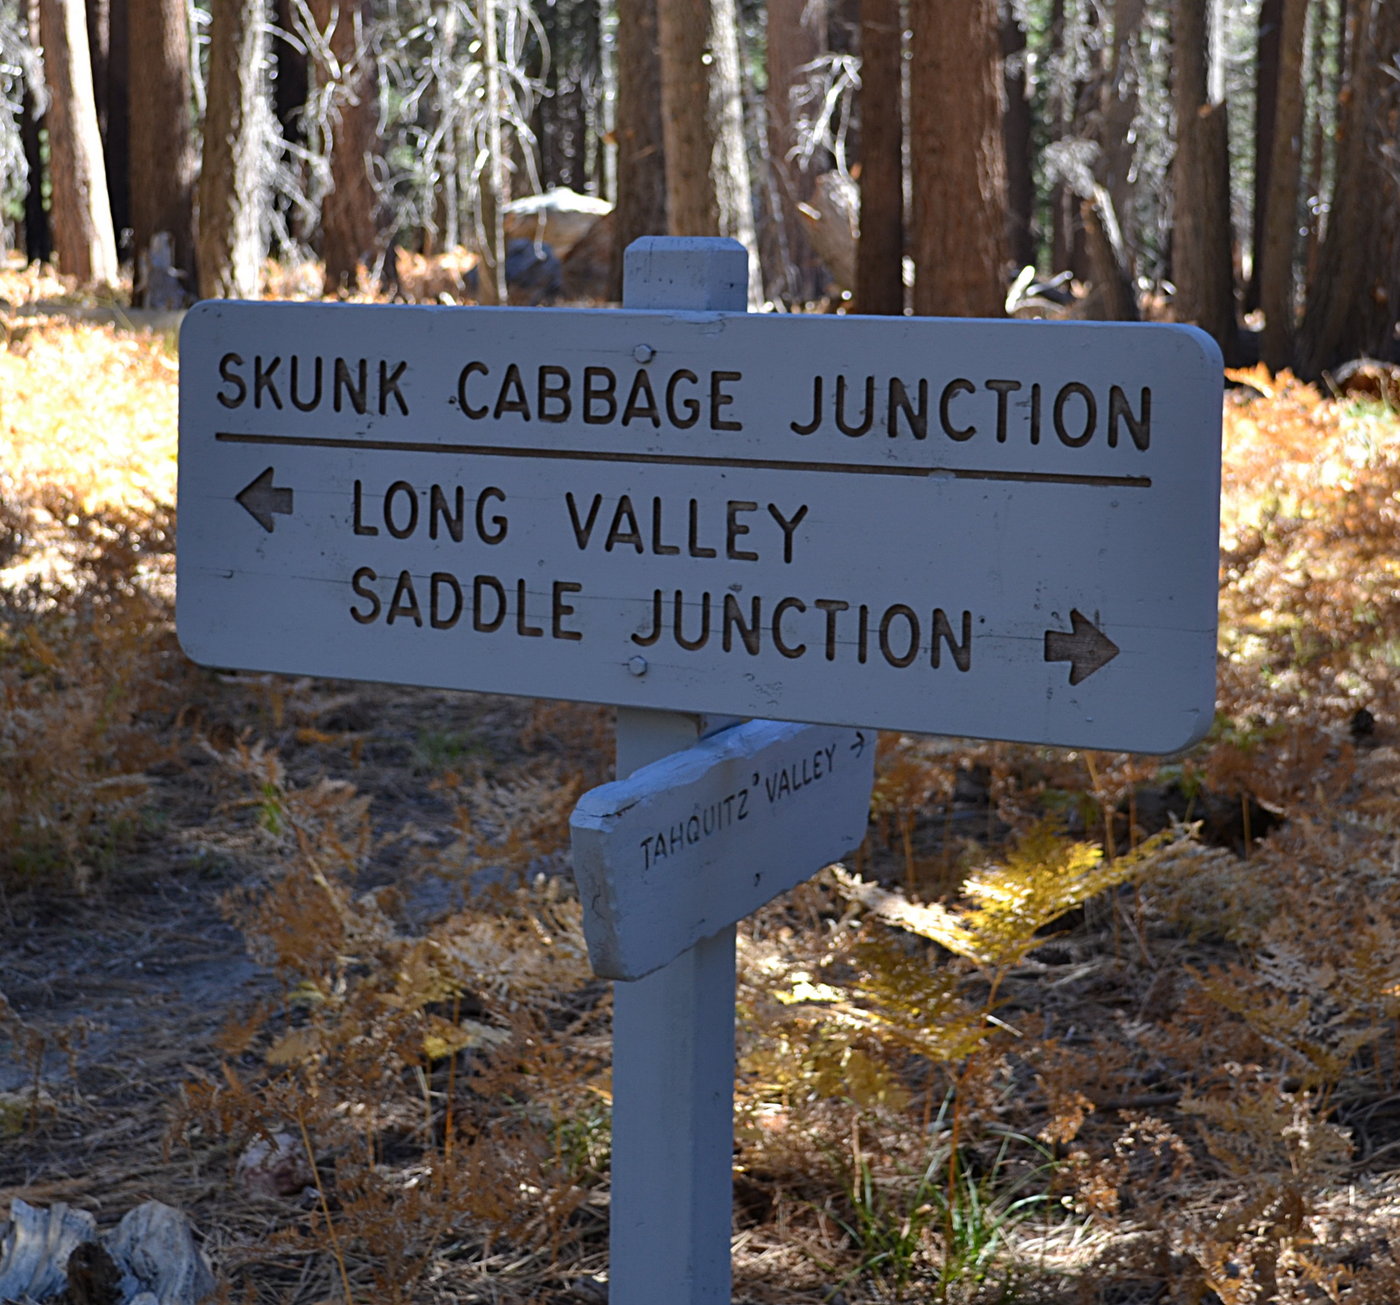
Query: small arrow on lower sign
x=263, y=499
x=859, y=745
x=1086, y=648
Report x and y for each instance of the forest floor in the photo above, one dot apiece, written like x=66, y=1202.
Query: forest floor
x=302, y=958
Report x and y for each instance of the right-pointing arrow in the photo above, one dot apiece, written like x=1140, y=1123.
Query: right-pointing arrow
x=262, y=499
x=1086, y=648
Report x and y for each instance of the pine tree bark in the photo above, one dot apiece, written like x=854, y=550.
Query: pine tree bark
x=162, y=142
x=116, y=120
x=291, y=92
x=99, y=31
x=233, y=180
x=1202, y=265
x=291, y=84
x=350, y=239
x=641, y=154
x=692, y=201
x=707, y=171
x=1067, y=245
x=1269, y=31
x=38, y=236
x=1119, y=103
x=1106, y=106
x=879, y=284
x=1276, y=276
x=957, y=159
x=1017, y=125
x=796, y=32
x=491, y=191
x=570, y=35
x=81, y=218
x=1114, y=299
x=1353, y=297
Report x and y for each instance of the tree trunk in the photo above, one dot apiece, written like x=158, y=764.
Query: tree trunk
x=957, y=159
x=1380, y=303
x=1020, y=179
x=796, y=32
x=491, y=188
x=641, y=155
x=1317, y=145
x=350, y=240
x=82, y=220
x=1353, y=298
x=1276, y=280
x=116, y=129
x=99, y=30
x=879, y=284
x=707, y=170
x=568, y=65
x=1190, y=59
x=106, y=24
x=291, y=84
x=1113, y=120
x=586, y=124
x=233, y=179
x=554, y=108
x=730, y=158
x=38, y=237
x=162, y=150
x=1066, y=92
x=291, y=91
x=1202, y=266
x=692, y=204
x=1203, y=240
x=1113, y=299
x=1266, y=64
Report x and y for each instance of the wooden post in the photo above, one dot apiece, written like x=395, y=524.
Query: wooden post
x=673, y=1031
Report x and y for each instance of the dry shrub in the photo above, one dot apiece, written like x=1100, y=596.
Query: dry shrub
x=89, y=412
x=86, y=653
x=1310, y=604
x=447, y=1079
x=80, y=679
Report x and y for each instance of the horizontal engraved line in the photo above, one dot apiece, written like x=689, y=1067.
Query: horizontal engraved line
x=686, y=460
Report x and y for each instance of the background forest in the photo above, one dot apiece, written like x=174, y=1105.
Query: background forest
x=1227, y=162
x=302, y=959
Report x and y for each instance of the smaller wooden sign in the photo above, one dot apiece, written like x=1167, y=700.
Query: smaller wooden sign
x=702, y=838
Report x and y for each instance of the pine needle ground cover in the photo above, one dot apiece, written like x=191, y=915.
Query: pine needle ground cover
x=1072, y=1027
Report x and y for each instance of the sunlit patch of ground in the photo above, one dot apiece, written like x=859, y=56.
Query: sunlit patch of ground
x=90, y=411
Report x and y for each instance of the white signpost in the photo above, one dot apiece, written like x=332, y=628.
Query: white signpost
x=990, y=529
x=702, y=838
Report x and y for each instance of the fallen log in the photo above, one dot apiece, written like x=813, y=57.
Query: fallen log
x=150, y=1258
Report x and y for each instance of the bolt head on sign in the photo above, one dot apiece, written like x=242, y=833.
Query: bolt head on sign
x=975, y=528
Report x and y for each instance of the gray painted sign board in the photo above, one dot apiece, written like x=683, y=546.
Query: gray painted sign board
x=989, y=529
x=702, y=838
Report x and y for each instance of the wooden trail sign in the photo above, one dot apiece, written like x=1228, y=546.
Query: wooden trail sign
x=704, y=837
x=990, y=529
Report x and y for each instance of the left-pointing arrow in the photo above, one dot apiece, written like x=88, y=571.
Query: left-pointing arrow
x=263, y=499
